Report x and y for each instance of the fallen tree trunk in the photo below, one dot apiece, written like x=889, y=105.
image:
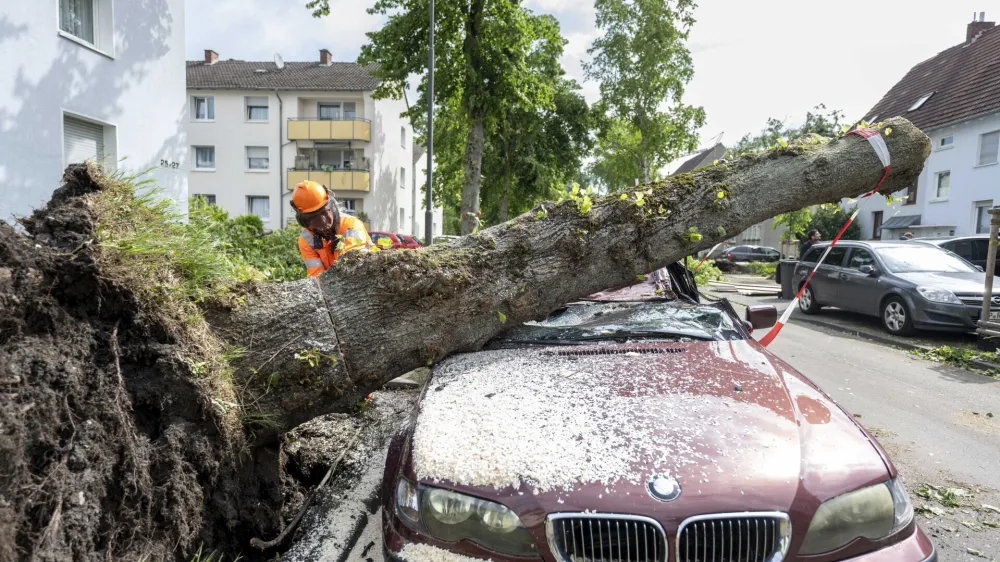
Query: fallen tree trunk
x=319, y=346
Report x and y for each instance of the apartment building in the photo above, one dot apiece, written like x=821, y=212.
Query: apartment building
x=259, y=128
x=99, y=80
x=954, y=97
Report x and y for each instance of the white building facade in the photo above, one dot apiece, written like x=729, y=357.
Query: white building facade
x=960, y=181
x=954, y=97
x=98, y=80
x=257, y=130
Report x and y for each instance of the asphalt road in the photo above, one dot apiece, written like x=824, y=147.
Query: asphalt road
x=933, y=420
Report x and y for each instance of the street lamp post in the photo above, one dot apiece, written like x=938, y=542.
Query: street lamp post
x=429, y=213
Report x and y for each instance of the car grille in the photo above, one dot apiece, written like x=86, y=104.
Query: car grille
x=613, y=538
x=734, y=538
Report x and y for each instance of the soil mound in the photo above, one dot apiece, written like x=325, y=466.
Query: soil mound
x=109, y=448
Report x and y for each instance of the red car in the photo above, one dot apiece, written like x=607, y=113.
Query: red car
x=408, y=241
x=639, y=429
x=394, y=242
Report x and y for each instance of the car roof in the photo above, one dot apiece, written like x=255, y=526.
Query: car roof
x=873, y=244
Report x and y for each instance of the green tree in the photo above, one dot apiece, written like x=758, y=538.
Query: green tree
x=819, y=121
x=796, y=223
x=482, y=49
x=828, y=220
x=642, y=65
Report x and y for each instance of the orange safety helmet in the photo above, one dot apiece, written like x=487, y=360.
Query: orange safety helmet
x=309, y=196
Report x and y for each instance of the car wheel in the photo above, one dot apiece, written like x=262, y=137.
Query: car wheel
x=808, y=302
x=896, y=317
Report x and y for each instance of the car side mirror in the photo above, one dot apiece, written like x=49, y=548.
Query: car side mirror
x=762, y=316
x=867, y=270
x=980, y=268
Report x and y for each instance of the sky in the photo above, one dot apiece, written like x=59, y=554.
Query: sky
x=752, y=60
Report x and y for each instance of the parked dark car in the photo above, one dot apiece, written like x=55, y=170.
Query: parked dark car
x=751, y=253
x=907, y=284
x=972, y=249
x=639, y=429
x=394, y=242
x=408, y=241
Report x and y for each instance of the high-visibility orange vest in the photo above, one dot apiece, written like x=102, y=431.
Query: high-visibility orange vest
x=319, y=254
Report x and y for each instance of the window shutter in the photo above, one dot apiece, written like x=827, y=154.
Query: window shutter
x=989, y=144
x=82, y=141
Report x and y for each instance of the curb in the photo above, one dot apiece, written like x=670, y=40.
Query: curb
x=877, y=338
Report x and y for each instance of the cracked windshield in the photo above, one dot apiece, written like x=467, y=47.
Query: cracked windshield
x=499, y=280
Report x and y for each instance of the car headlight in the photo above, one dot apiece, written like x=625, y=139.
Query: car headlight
x=874, y=513
x=452, y=517
x=938, y=295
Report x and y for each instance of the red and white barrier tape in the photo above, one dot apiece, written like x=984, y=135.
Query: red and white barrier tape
x=878, y=144
x=710, y=252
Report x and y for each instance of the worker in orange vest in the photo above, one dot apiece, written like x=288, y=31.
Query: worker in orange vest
x=326, y=235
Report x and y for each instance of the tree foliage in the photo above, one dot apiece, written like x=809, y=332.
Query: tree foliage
x=483, y=66
x=796, y=224
x=642, y=65
x=828, y=219
x=820, y=121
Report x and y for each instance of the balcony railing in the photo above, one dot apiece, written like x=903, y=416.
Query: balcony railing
x=336, y=180
x=327, y=129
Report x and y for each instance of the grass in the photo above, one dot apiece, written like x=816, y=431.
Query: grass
x=963, y=357
x=176, y=268
x=762, y=269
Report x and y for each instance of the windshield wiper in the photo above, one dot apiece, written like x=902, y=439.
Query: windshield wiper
x=644, y=334
x=553, y=342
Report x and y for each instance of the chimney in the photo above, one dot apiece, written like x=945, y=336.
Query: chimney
x=211, y=57
x=325, y=58
x=977, y=26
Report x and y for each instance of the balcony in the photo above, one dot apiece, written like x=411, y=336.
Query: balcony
x=330, y=130
x=336, y=180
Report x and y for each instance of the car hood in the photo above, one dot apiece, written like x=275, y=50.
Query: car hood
x=970, y=282
x=584, y=428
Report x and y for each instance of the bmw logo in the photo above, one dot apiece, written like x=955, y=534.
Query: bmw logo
x=663, y=488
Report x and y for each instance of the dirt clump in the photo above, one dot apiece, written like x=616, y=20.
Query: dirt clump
x=109, y=446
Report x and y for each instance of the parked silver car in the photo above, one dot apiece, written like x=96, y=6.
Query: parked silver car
x=907, y=285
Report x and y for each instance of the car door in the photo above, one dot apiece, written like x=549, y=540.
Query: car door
x=827, y=282
x=757, y=254
x=859, y=291
x=980, y=249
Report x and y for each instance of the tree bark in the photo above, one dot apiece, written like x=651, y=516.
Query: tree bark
x=473, y=172
x=474, y=83
x=383, y=314
x=505, y=201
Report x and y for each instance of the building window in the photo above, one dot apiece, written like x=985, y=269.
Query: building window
x=204, y=158
x=88, y=22
x=208, y=198
x=877, y=225
x=402, y=178
x=257, y=158
x=337, y=111
x=86, y=141
x=350, y=206
x=402, y=217
x=402, y=137
x=920, y=102
x=203, y=108
x=911, y=195
x=339, y=159
x=983, y=216
x=989, y=144
x=76, y=17
x=943, y=185
x=946, y=142
x=257, y=108
x=259, y=207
